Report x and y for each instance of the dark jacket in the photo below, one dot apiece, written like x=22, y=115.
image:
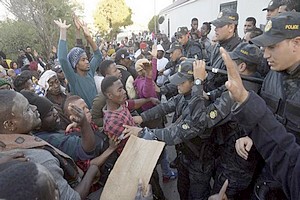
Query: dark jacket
x=278, y=147
x=168, y=88
x=281, y=91
x=193, y=120
x=192, y=49
x=213, y=80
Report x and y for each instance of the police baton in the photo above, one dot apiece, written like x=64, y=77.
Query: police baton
x=224, y=72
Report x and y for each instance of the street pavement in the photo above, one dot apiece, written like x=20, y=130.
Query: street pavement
x=170, y=188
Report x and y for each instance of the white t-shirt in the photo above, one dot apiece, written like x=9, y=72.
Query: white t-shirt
x=161, y=64
x=98, y=80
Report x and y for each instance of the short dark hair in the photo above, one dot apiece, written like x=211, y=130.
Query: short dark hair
x=251, y=19
x=252, y=67
x=21, y=79
x=12, y=64
x=194, y=19
x=107, y=82
x=104, y=65
x=6, y=103
x=254, y=32
x=69, y=100
x=207, y=24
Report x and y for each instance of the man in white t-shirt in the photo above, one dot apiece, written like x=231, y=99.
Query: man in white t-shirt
x=162, y=76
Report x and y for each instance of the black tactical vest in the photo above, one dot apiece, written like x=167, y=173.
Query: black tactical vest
x=281, y=91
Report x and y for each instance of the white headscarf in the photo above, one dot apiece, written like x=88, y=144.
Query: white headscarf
x=43, y=82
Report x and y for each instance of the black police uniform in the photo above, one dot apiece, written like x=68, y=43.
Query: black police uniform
x=277, y=147
x=168, y=88
x=196, y=161
x=193, y=49
x=230, y=165
x=213, y=81
x=281, y=92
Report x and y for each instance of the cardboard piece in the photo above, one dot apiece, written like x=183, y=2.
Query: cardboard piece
x=136, y=161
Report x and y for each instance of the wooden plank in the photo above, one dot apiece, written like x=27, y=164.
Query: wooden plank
x=136, y=161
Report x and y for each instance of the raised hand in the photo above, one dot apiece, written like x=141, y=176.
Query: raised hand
x=199, y=70
x=154, y=51
x=234, y=84
x=77, y=22
x=77, y=117
x=85, y=29
x=221, y=195
x=62, y=24
x=35, y=53
x=54, y=50
x=147, y=67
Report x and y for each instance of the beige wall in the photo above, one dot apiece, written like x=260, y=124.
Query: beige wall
x=207, y=10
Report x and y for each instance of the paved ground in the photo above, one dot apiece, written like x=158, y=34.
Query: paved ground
x=170, y=188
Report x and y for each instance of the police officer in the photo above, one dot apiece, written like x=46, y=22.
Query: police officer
x=226, y=37
x=272, y=9
x=192, y=130
x=191, y=49
x=176, y=54
x=247, y=58
x=231, y=166
x=196, y=161
x=274, y=143
x=280, y=90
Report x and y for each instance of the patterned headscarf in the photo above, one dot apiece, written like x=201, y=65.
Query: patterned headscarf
x=74, y=56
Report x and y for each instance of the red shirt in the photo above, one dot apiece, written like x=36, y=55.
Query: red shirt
x=113, y=122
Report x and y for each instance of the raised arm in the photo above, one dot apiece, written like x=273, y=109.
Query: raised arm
x=95, y=62
x=77, y=23
x=63, y=26
x=197, y=118
x=87, y=135
x=278, y=147
x=63, y=51
x=88, y=36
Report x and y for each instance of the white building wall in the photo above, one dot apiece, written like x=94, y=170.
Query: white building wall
x=208, y=10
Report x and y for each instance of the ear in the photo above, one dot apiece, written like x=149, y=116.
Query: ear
x=296, y=43
x=108, y=95
x=9, y=125
x=231, y=28
x=242, y=67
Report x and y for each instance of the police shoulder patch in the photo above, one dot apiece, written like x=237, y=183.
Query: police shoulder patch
x=268, y=26
x=213, y=114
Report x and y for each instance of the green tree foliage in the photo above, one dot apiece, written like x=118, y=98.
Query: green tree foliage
x=151, y=24
x=16, y=35
x=110, y=16
x=33, y=24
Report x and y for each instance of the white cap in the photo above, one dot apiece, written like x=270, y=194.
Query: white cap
x=160, y=48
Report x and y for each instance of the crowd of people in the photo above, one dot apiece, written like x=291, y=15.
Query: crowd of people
x=234, y=102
